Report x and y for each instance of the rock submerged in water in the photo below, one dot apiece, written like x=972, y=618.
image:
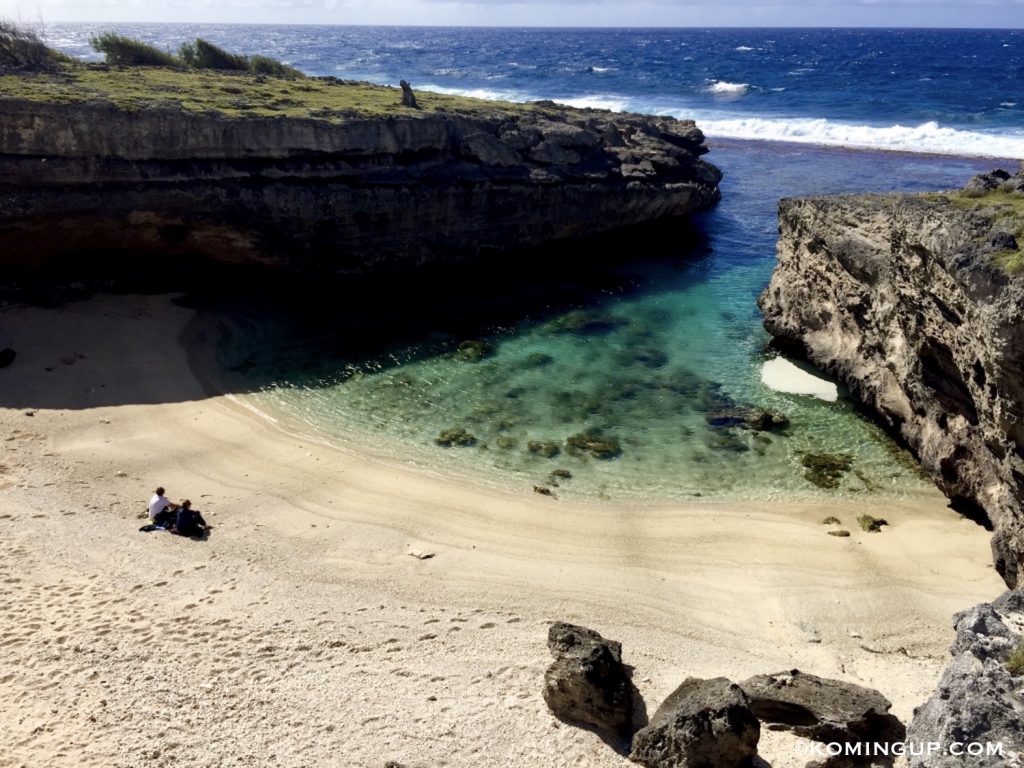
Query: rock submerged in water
x=748, y=416
x=702, y=724
x=826, y=469
x=822, y=709
x=538, y=360
x=587, y=682
x=474, y=350
x=546, y=448
x=586, y=322
x=455, y=436
x=594, y=442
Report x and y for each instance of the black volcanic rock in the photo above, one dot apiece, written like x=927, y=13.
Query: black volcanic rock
x=587, y=682
x=822, y=709
x=702, y=724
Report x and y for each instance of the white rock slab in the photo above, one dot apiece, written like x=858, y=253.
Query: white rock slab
x=783, y=375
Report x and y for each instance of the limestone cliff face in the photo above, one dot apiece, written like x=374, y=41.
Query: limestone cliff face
x=979, y=699
x=903, y=299
x=353, y=196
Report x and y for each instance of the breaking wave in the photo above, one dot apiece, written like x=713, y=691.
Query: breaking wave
x=929, y=138
x=725, y=88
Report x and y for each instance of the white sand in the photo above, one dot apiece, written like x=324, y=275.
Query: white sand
x=783, y=375
x=304, y=634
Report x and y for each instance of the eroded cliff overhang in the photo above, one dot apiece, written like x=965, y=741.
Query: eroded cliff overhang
x=350, y=194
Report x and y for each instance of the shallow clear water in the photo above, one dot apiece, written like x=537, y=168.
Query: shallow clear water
x=679, y=337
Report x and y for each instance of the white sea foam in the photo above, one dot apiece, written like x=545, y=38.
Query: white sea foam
x=600, y=69
x=1008, y=104
x=477, y=93
x=743, y=48
x=928, y=137
x=598, y=102
x=725, y=88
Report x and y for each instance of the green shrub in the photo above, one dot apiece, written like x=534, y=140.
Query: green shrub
x=1016, y=661
x=128, y=52
x=264, y=65
x=204, y=55
x=21, y=48
x=201, y=54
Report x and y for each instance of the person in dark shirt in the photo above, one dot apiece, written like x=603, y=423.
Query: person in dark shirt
x=189, y=522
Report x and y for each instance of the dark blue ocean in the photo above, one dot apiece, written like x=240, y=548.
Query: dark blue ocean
x=787, y=112
x=949, y=91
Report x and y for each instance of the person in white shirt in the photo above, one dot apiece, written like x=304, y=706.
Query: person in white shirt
x=161, y=509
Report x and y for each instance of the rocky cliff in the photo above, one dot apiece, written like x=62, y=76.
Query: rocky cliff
x=980, y=699
x=338, y=192
x=916, y=302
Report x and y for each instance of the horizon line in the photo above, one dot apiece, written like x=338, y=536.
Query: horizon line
x=529, y=26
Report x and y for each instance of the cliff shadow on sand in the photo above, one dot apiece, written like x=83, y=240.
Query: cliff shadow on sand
x=250, y=320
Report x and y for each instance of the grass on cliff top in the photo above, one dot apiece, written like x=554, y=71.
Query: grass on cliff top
x=1003, y=208
x=234, y=94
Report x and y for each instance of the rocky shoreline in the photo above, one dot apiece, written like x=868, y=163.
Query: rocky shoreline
x=915, y=302
x=330, y=194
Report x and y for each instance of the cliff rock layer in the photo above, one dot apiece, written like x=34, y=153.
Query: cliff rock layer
x=350, y=195
x=979, y=700
x=916, y=302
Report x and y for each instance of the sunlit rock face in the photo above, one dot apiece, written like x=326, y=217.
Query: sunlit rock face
x=916, y=303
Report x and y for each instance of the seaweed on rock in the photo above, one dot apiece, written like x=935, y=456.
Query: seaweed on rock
x=455, y=436
x=594, y=442
x=826, y=469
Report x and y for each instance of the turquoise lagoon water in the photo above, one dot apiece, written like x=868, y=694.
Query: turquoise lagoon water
x=643, y=351
x=681, y=332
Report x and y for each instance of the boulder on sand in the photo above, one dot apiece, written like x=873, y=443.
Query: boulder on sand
x=587, y=682
x=702, y=724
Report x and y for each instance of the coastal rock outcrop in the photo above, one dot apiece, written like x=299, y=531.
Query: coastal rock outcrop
x=587, y=682
x=980, y=698
x=339, y=194
x=703, y=723
x=821, y=709
x=916, y=303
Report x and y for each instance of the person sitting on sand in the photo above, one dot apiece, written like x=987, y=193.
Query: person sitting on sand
x=161, y=510
x=189, y=522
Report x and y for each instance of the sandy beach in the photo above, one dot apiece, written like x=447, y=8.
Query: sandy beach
x=303, y=633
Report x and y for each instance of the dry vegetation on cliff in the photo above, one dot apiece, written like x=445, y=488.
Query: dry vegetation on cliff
x=1004, y=208
x=232, y=94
